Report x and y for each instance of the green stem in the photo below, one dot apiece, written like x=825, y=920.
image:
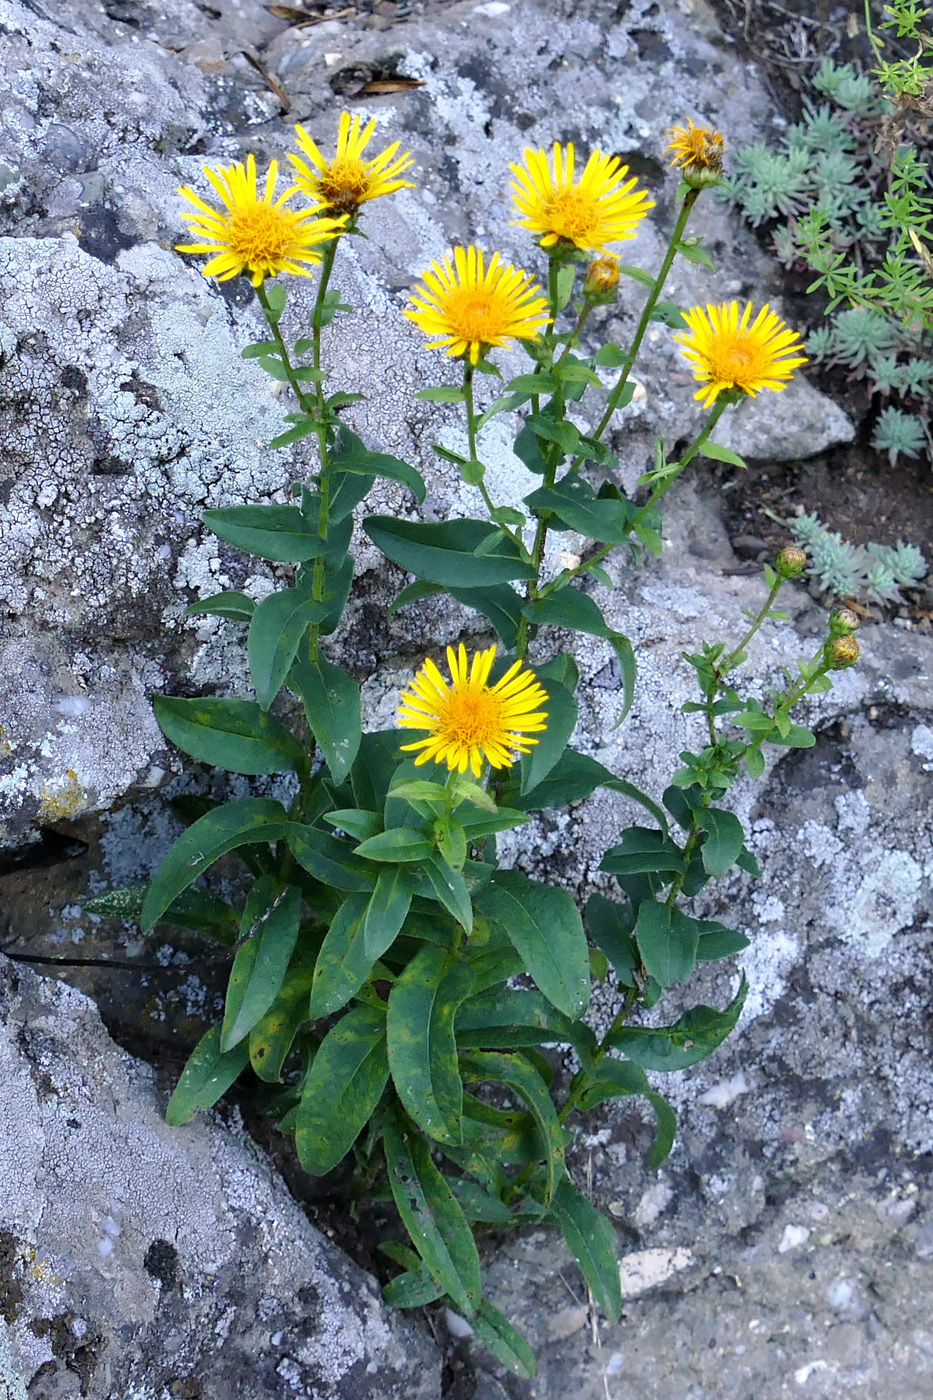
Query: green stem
x=471, y=439
x=583, y=1078
x=304, y=400
x=731, y=660
x=657, y=494
x=690, y=198
x=317, y=318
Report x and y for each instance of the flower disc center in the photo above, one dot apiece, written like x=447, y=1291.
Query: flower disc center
x=259, y=232
x=473, y=717
x=572, y=213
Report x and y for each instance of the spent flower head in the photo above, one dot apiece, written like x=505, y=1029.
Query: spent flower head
x=470, y=722
x=698, y=153
x=790, y=561
x=341, y=185
x=254, y=231
x=602, y=278
x=841, y=652
x=468, y=306
x=729, y=351
x=599, y=208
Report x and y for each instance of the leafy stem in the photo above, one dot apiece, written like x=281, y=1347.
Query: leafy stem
x=478, y=471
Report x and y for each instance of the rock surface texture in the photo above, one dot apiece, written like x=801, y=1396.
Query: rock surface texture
x=785, y=1248
x=124, y=405
x=139, y=1261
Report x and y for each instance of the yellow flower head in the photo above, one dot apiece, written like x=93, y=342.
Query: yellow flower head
x=470, y=722
x=599, y=208
x=728, y=353
x=253, y=230
x=697, y=152
x=344, y=183
x=468, y=306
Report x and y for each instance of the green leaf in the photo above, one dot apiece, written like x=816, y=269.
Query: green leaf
x=342, y=964
x=257, y=348
x=578, y=612
x=716, y=941
x=574, y=776
x=445, y=553
x=694, y=254
x=514, y=1019
x=413, y=593
x=566, y=277
x=561, y=721
x=500, y=604
x=347, y=489
x=610, y=926
x=260, y=965
x=276, y=295
x=578, y=507
x=527, y=450
x=233, y=734
x=669, y=313
x=725, y=839
x=271, y=532
x=273, y=1035
x=354, y=821
x=235, y=606
x=375, y=767
x=637, y=274
x=690, y=1039
x=415, y=1288
x=558, y=431
x=449, y=888
x=503, y=1340
x=667, y=1130
x=422, y=1050
x=350, y=454
x=249, y=821
x=398, y=844
x=524, y=1081
x=205, y=1078
x=667, y=941
x=479, y=1204
x=442, y=393
x=302, y=429
x=432, y=1216
x=331, y=702
x=386, y=911
x=591, y=1240
x=644, y=851
x=612, y=1079
x=196, y=909
x=338, y=580
x=629, y=790
x=342, y=1089
x=275, y=632
x=611, y=356
x=329, y=860
x=721, y=454
x=544, y=925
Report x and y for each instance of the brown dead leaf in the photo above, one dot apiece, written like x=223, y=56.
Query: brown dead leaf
x=269, y=79
x=379, y=87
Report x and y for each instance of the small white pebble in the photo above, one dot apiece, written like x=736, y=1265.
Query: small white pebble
x=793, y=1237
x=457, y=1326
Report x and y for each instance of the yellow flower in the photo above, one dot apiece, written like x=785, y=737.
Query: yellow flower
x=344, y=183
x=592, y=212
x=469, y=721
x=728, y=353
x=470, y=307
x=698, y=152
x=254, y=230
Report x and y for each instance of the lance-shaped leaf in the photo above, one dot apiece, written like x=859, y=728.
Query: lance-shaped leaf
x=724, y=841
x=591, y=1240
x=260, y=965
x=432, y=1216
x=271, y=532
x=561, y=709
x=667, y=941
x=350, y=454
x=578, y=612
x=544, y=925
x=273, y=1035
x=342, y=1089
x=233, y=734
x=207, y=1075
x=331, y=702
x=690, y=1039
x=422, y=1052
x=525, y=1081
x=577, y=507
x=329, y=859
x=342, y=964
x=503, y=1340
x=249, y=821
x=386, y=911
x=275, y=632
x=446, y=552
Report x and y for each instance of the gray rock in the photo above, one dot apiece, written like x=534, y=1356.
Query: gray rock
x=798, y=422
x=124, y=404
x=139, y=1262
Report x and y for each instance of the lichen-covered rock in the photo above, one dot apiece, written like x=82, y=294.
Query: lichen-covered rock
x=140, y=1262
x=124, y=405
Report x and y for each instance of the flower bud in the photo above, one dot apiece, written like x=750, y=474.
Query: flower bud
x=791, y=561
x=842, y=621
x=602, y=278
x=841, y=652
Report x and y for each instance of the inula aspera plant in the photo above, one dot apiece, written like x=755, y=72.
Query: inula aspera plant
x=391, y=982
